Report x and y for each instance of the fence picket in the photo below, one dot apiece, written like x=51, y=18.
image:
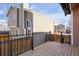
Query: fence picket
x=13, y=44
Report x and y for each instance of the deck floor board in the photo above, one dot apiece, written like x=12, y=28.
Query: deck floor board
x=53, y=49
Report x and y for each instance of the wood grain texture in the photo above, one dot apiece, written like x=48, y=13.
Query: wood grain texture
x=53, y=49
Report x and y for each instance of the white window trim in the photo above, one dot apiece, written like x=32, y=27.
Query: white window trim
x=30, y=23
x=12, y=26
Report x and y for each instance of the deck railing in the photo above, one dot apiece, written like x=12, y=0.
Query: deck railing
x=15, y=44
x=12, y=45
x=62, y=38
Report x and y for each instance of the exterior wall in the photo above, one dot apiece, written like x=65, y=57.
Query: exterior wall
x=42, y=23
x=39, y=38
x=2, y=27
x=23, y=16
x=76, y=26
x=12, y=31
x=41, y=26
x=28, y=16
x=12, y=21
x=21, y=28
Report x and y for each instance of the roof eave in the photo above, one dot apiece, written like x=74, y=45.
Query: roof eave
x=66, y=8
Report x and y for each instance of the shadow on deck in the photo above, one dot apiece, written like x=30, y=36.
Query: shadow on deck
x=53, y=49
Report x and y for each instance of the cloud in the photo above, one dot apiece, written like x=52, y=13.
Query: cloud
x=53, y=11
x=3, y=21
x=43, y=11
x=32, y=7
x=1, y=11
x=42, y=8
x=59, y=18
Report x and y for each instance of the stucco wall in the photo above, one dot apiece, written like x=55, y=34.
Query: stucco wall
x=42, y=23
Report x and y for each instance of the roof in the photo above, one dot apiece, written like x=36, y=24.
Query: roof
x=9, y=10
x=4, y=32
x=12, y=7
x=66, y=8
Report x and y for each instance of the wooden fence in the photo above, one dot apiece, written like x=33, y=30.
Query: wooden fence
x=58, y=38
x=13, y=45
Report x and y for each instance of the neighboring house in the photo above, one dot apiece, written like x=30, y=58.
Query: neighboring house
x=60, y=28
x=3, y=30
x=25, y=21
x=68, y=29
x=3, y=27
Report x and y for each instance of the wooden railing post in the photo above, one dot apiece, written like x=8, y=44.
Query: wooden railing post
x=46, y=38
x=32, y=42
x=17, y=45
x=62, y=38
x=0, y=46
x=4, y=45
x=10, y=45
x=26, y=42
x=49, y=36
x=69, y=38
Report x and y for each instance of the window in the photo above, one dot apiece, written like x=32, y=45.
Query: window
x=28, y=23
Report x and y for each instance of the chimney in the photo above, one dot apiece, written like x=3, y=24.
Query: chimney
x=24, y=5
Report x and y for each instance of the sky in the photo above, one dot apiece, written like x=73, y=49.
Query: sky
x=4, y=7
x=52, y=10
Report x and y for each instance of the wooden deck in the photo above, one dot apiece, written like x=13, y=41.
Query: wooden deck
x=53, y=49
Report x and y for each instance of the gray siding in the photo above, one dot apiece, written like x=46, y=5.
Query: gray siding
x=39, y=38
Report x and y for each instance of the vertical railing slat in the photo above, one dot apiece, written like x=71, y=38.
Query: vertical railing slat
x=10, y=45
x=32, y=41
x=4, y=45
x=15, y=45
x=0, y=46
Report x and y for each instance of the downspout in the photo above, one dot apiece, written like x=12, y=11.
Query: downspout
x=72, y=41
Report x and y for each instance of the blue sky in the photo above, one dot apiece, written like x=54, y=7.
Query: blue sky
x=52, y=10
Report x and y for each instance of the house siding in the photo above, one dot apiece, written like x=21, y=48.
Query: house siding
x=76, y=26
x=28, y=15
x=39, y=38
x=17, y=17
x=12, y=23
